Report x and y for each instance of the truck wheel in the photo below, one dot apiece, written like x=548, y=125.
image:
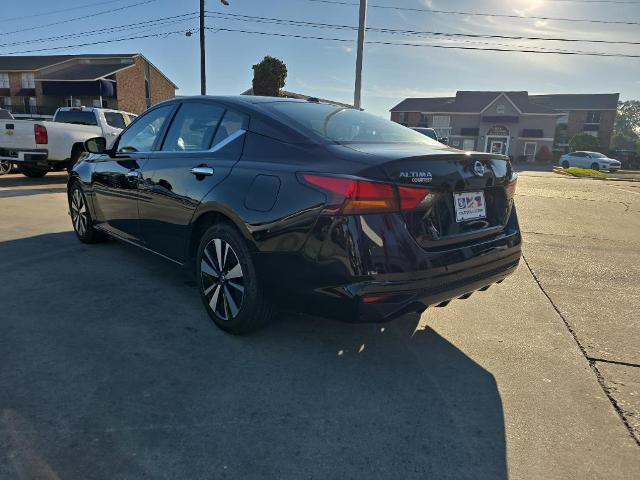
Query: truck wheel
x=33, y=171
x=5, y=167
x=75, y=156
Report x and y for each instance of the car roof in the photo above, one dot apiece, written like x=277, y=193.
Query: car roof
x=245, y=100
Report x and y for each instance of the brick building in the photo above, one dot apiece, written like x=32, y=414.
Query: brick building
x=513, y=123
x=37, y=85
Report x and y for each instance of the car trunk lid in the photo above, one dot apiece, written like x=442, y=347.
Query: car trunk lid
x=470, y=197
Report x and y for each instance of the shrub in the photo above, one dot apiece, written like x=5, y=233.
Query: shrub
x=269, y=76
x=544, y=155
x=584, y=141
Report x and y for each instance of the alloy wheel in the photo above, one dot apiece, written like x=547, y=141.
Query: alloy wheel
x=5, y=167
x=79, y=214
x=222, y=279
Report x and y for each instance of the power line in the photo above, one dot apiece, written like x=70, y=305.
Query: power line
x=413, y=32
x=60, y=22
x=343, y=40
x=147, y=23
x=479, y=14
x=98, y=42
x=51, y=12
x=407, y=44
x=418, y=34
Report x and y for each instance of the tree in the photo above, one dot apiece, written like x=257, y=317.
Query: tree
x=269, y=76
x=624, y=141
x=584, y=141
x=628, y=118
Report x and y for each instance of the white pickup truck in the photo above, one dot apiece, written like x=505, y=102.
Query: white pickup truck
x=37, y=147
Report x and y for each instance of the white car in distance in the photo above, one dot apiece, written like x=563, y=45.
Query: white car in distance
x=592, y=160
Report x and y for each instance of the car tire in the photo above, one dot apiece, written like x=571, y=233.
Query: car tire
x=32, y=171
x=81, y=217
x=228, y=283
x=5, y=167
x=595, y=166
x=565, y=164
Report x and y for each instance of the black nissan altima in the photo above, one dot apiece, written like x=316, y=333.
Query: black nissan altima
x=300, y=204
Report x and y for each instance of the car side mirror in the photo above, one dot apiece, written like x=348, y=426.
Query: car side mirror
x=96, y=145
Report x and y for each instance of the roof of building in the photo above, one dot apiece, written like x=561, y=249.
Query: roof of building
x=73, y=71
x=476, y=101
x=27, y=63
x=300, y=96
x=83, y=72
x=593, y=101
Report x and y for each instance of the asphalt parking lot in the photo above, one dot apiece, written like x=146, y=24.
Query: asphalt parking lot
x=109, y=367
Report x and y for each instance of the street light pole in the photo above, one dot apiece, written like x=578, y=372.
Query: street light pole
x=203, y=58
x=361, y=29
x=203, y=73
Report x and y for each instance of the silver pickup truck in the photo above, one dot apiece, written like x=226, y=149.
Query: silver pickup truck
x=37, y=147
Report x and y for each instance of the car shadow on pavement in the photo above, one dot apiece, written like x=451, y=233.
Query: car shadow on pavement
x=21, y=186
x=109, y=368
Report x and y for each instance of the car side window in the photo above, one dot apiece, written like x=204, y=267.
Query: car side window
x=577, y=154
x=193, y=127
x=231, y=123
x=141, y=136
x=115, y=119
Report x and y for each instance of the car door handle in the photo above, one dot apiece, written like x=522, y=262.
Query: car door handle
x=133, y=174
x=204, y=171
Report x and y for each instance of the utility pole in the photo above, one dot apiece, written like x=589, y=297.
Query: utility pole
x=203, y=61
x=203, y=57
x=361, y=29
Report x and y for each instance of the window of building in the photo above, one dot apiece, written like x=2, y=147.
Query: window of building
x=500, y=109
x=424, y=120
x=530, y=149
x=402, y=118
x=193, y=127
x=4, y=80
x=147, y=85
x=593, y=117
x=468, y=144
x=143, y=134
x=6, y=102
x=28, y=80
x=441, y=121
x=441, y=124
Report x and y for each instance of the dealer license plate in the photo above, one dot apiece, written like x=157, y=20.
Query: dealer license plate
x=469, y=206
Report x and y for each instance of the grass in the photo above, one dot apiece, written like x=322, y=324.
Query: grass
x=580, y=172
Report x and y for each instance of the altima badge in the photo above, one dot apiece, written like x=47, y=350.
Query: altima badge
x=478, y=168
x=416, y=177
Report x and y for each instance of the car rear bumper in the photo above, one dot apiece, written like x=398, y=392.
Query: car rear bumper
x=382, y=273
x=379, y=301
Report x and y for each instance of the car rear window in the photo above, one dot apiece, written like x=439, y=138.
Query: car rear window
x=76, y=117
x=346, y=125
x=115, y=119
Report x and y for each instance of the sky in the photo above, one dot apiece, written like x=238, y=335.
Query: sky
x=327, y=68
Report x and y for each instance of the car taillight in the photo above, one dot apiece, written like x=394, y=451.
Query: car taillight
x=350, y=196
x=354, y=196
x=510, y=188
x=40, y=132
x=412, y=198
